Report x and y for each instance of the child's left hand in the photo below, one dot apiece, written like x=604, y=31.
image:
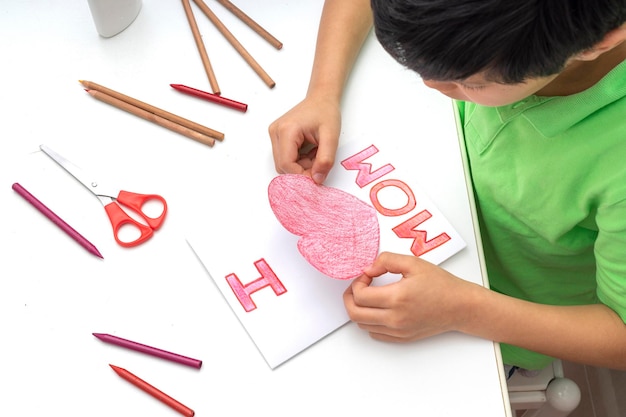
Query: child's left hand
x=427, y=300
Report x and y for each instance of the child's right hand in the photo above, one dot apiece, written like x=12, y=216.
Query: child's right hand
x=305, y=139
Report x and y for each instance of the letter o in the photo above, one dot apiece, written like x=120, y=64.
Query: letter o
x=410, y=204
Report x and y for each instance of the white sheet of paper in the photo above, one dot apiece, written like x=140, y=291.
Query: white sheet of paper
x=283, y=325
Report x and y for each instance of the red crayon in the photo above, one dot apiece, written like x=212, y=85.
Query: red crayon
x=210, y=97
x=156, y=393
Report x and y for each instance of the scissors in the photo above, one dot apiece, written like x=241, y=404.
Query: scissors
x=111, y=198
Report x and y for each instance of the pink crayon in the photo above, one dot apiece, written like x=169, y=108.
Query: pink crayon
x=139, y=347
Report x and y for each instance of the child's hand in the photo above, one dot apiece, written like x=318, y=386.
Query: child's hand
x=305, y=139
x=426, y=301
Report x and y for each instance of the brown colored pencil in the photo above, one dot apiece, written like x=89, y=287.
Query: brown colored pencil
x=251, y=23
x=90, y=85
x=201, y=48
x=168, y=124
x=236, y=44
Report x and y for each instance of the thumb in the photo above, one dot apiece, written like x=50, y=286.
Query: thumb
x=319, y=170
x=324, y=161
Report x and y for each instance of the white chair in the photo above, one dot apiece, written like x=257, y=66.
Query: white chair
x=545, y=393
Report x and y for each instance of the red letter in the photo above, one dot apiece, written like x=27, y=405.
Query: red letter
x=243, y=292
x=365, y=175
x=420, y=245
x=410, y=204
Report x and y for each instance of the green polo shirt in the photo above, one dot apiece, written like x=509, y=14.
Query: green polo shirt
x=549, y=176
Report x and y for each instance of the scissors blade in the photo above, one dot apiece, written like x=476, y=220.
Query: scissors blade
x=79, y=174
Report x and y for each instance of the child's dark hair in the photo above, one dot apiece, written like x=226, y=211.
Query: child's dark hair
x=510, y=40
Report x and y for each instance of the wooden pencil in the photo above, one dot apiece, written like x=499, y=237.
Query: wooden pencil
x=161, y=121
x=90, y=85
x=201, y=48
x=235, y=43
x=251, y=23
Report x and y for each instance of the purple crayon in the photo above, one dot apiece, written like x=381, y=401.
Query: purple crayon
x=139, y=347
x=26, y=195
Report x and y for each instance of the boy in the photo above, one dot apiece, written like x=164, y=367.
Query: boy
x=541, y=91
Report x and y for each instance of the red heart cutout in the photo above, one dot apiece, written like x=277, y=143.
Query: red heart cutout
x=339, y=233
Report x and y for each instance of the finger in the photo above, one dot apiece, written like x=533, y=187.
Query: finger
x=363, y=315
x=366, y=295
x=286, y=142
x=306, y=164
x=360, y=314
x=383, y=336
x=387, y=334
x=380, y=332
x=288, y=158
x=373, y=297
x=273, y=133
x=324, y=157
x=361, y=280
x=388, y=262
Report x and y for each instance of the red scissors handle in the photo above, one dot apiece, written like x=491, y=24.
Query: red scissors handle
x=120, y=218
x=136, y=201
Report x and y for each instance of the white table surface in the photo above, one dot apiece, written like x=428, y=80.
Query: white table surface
x=53, y=294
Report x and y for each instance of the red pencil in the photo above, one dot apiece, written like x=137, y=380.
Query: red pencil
x=159, y=395
x=210, y=97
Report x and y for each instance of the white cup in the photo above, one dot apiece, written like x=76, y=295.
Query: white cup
x=113, y=16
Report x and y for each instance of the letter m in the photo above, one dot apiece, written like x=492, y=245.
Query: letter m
x=420, y=245
x=365, y=175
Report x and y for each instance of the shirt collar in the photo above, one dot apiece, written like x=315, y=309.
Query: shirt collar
x=570, y=109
